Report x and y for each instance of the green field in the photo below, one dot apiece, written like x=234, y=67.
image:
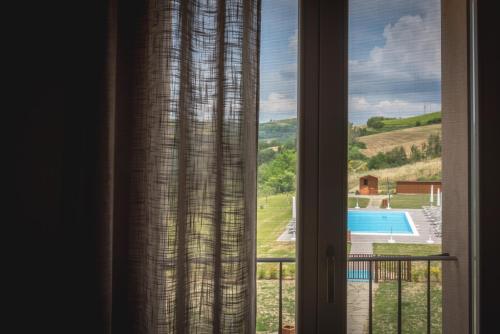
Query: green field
x=406, y=249
x=414, y=298
x=410, y=201
x=273, y=215
x=267, y=303
x=414, y=308
x=403, y=123
x=363, y=202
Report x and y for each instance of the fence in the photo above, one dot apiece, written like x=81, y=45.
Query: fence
x=374, y=268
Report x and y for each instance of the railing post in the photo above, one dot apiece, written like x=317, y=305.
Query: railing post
x=280, y=306
x=399, y=297
x=370, y=320
x=428, y=297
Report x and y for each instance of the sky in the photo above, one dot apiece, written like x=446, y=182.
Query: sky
x=394, y=58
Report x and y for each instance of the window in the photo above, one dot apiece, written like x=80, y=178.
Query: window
x=399, y=187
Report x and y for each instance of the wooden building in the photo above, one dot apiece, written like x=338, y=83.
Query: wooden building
x=368, y=185
x=417, y=187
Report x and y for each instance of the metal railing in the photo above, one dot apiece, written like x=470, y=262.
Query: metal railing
x=382, y=271
x=280, y=261
x=402, y=269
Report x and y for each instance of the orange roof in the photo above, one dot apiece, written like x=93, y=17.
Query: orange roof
x=369, y=177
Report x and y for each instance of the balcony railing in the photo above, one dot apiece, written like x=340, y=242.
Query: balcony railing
x=374, y=268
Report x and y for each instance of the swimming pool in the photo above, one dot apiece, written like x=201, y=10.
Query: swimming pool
x=381, y=222
x=359, y=275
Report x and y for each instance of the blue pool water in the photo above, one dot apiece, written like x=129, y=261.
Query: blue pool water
x=378, y=222
x=358, y=275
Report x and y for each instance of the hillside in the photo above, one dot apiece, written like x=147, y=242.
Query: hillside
x=422, y=170
x=285, y=129
x=281, y=130
x=385, y=141
x=392, y=124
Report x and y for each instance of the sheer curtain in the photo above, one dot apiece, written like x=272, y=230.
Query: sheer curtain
x=179, y=166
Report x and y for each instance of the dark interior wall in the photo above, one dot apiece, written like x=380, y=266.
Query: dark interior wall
x=488, y=30
x=58, y=55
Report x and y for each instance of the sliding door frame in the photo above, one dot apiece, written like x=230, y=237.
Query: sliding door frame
x=322, y=171
x=322, y=147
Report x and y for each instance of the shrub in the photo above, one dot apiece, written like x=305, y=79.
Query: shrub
x=266, y=155
x=433, y=147
x=358, y=144
x=273, y=272
x=436, y=120
x=288, y=271
x=375, y=122
x=378, y=161
x=377, y=125
x=418, y=275
x=415, y=154
x=436, y=274
x=261, y=273
x=394, y=158
x=355, y=154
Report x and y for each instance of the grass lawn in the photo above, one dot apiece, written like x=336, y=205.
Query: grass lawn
x=267, y=304
x=363, y=202
x=414, y=300
x=413, y=305
x=406, y=249
x=410, y=201
x=273, y=215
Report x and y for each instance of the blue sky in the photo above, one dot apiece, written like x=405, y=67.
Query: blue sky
x=394, y=58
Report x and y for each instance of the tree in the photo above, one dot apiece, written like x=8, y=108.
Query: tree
x=266, y=155
x=375, y=122
x=415, y=154
x=278, y=175
x=394, y=158
x=433, y=149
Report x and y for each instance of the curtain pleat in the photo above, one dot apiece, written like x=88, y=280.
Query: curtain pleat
x=184, y=161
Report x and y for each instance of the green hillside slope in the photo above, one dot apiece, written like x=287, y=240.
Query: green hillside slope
x=403, y=123
x=281, y=130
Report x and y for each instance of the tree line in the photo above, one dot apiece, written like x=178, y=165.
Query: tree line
x=277, y=159
x=398, y=157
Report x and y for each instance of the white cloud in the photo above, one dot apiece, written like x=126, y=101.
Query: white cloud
x=278, y=103
x=362, y=108
x=412, y=51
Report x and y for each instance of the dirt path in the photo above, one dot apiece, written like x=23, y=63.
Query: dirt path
x=357, y=307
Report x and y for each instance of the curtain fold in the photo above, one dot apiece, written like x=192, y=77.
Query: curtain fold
x=180, y=179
